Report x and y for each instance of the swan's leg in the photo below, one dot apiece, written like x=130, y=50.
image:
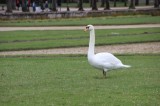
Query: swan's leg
x=104, y=74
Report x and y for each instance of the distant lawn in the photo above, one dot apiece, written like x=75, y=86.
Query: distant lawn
x=71, y=81
x=24, y=40
x=120, y=20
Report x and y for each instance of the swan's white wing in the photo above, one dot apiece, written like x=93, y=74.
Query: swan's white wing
x=107, y=61
x=107, y=58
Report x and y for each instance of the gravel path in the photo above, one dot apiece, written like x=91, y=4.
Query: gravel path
x=152, y=47
x=79, y=27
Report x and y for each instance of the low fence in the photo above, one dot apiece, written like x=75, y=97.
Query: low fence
x=73, y=14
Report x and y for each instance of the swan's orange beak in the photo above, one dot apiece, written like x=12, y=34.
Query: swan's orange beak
x=85, y=30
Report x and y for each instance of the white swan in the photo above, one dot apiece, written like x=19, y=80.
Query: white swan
x=103, y=61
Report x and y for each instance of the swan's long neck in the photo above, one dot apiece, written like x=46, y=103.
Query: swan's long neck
x=91, y=43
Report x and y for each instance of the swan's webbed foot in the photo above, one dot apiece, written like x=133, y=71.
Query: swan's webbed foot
x=104, y=74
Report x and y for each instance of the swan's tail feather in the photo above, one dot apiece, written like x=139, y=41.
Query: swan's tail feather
x=126, y=66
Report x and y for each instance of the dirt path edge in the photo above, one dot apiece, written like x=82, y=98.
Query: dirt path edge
x=139, y=48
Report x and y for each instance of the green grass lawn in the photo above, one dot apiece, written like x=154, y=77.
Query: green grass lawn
x=24, y=40
x=71, y=81
x=120, y=20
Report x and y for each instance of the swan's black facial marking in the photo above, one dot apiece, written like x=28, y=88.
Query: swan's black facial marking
x=87, y=27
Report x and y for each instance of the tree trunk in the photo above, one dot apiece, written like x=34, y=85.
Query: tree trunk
x=115, y=3
x=132, y=4
x=125, y=3
x=67, y=6
x=80, y=5
x=94, y=5
x=147, y=2
x=9, y=6
x=14, y=4
x=54, y=8
x=107, y=5
x=156, y=3
x=90, y=1
x=59, y=3
x=102, y=3
x=136, y=2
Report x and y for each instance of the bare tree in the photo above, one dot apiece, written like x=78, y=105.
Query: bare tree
x=107, y=5
x=94, y=5
x=68, y=6
x=102, y=3
x=147, y=2
x=54, y=7
x=156, y=3
x=132, y=4
x=115, y=3
x=136, y=2
x=80, y=5
x=13, y=4
x=90, y=1
x=9, y=6
x=125, y=3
